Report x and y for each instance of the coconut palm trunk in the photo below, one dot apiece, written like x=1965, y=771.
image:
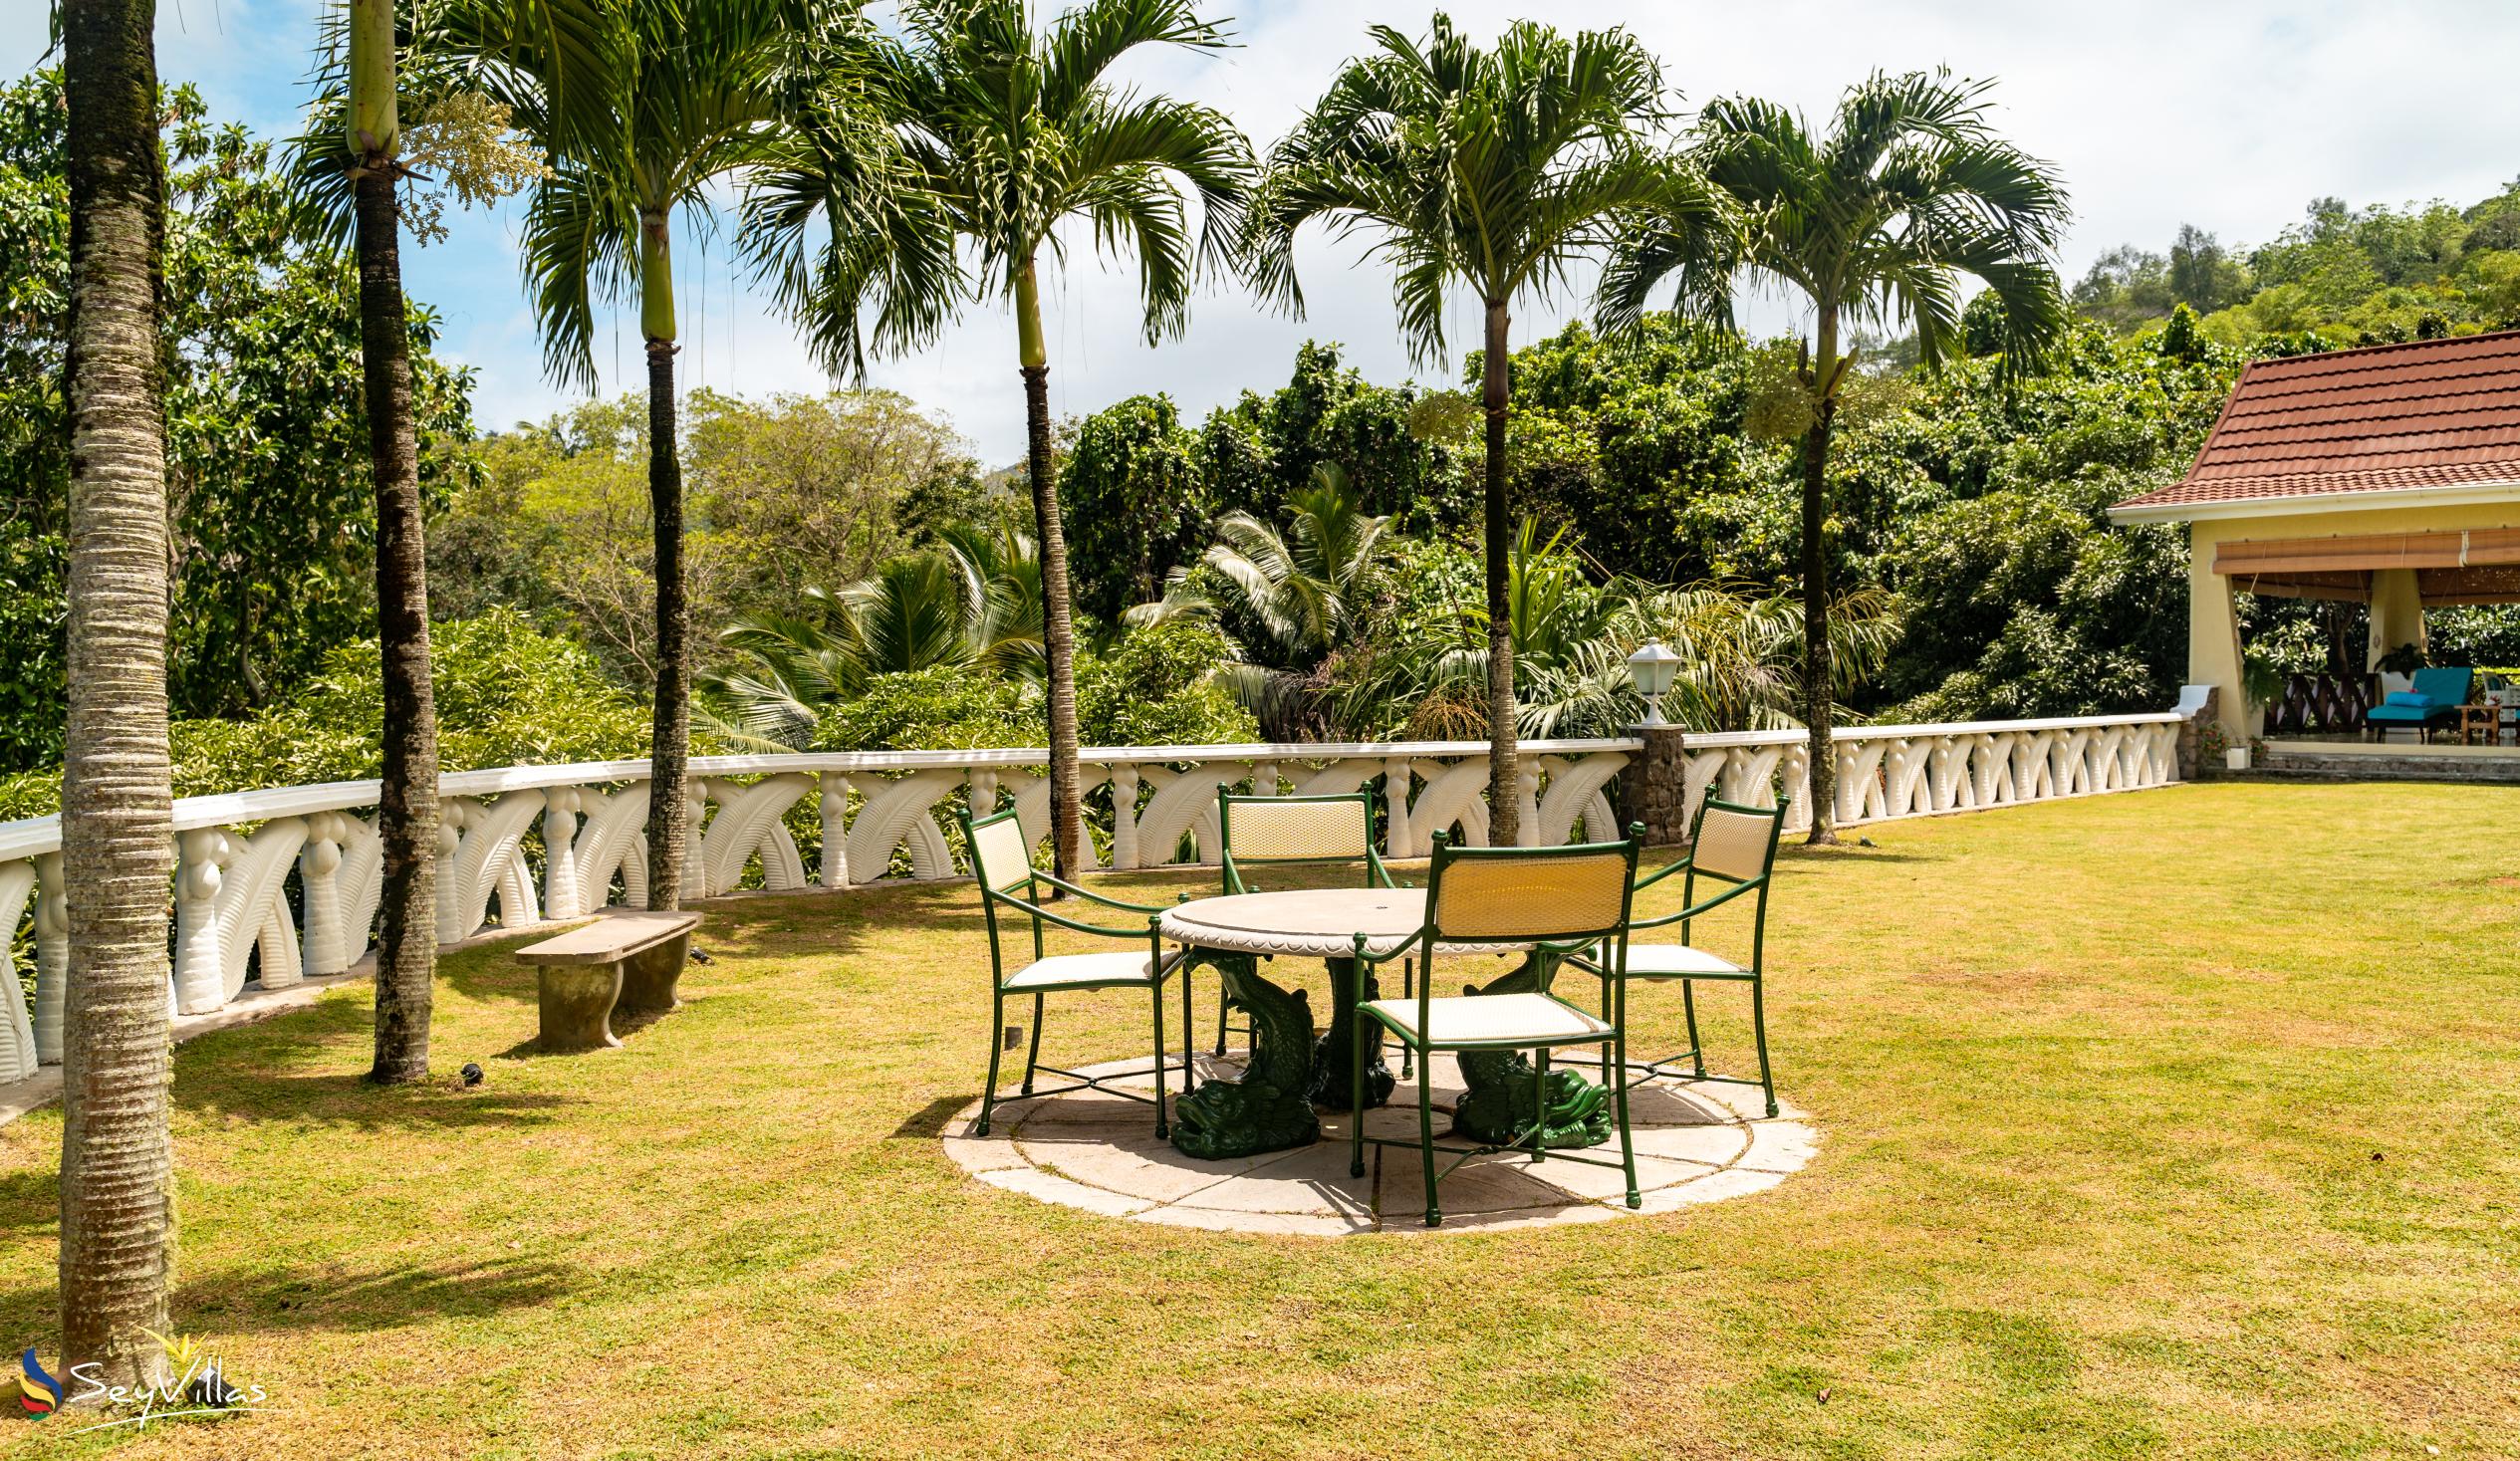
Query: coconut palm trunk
x=669, y=748
x=1504, y=768
x=117, y=1228
x=1067, y=827
x=1818, y=702
x=407, y=801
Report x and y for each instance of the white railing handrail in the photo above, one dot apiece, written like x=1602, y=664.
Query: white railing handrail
x=1796, y=735
x=36, y=835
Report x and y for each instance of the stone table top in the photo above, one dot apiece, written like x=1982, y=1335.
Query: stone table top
x=1318, y=924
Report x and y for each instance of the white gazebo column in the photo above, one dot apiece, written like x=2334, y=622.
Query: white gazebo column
x=2213, y=635
x=2397, y=612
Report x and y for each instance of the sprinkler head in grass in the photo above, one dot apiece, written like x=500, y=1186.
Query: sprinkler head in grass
x=702, y=956
x=472, y=1073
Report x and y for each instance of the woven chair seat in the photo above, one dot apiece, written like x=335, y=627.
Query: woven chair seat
x=1680, y=961
x=1489, y=1018
x=1091, y=971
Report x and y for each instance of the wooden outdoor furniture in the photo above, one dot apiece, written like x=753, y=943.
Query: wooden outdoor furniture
x=2485, y=718
x=629, y=962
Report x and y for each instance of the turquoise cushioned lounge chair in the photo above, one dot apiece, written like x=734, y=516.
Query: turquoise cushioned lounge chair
x=2435, y=699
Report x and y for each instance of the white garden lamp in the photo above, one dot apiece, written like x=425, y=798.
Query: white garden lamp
x=1653, y=668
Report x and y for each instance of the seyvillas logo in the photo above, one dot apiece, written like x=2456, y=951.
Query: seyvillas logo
x=39, y=1394
x=198, y=1385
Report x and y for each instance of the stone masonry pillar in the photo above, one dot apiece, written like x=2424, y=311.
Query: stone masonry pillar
x=1653, y=786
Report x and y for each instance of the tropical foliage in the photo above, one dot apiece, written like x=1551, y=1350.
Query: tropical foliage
x=507, y=693
x=1488, y=169
x=1882, y=219
x=938, y=170
x=274, y=510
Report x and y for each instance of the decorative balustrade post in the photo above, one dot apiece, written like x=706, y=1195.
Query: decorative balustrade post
x=51, y=957
x=200, y=974
x=983, y=793
x=562, y=898
x=696, y=795
x=1527, y=831
x=834, y=867
x=319, y=881
x=1124, y=818
x=1653, y=785
x=1397, y=840
x=453, y=813
x=1264, y=779
x=1792, y=776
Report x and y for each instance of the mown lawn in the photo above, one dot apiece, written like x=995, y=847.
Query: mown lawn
x=2177, y=1124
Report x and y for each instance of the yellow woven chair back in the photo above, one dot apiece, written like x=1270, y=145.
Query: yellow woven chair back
x=1001, y=855
x=1734, y=845
x=1273, y=829
x=1535, y=897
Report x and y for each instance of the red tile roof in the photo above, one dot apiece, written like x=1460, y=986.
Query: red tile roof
x=2428, y=413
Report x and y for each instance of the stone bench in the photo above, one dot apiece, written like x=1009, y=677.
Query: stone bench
x=629, y=961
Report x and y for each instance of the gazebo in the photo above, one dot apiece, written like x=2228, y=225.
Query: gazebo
x=2386, y=476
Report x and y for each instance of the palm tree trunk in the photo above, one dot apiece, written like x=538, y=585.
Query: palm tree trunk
x=1058, y=625
x=1819, y=711
x=406, y=806
x=670, y=752
x=669, y=743
x=1504, y=761
x=117, y=1222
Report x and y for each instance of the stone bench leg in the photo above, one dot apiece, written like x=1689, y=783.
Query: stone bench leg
x=648, y=978
x=577, y=1003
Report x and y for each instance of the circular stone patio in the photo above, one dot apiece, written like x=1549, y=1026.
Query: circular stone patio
x=1696, y=1143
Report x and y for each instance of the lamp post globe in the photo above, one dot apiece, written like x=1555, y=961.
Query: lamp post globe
x=1654, y=667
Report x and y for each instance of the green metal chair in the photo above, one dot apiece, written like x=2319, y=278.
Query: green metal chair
x=1002, y=860
x=1735, y=846
x=1558, y=901
x=1262, y=832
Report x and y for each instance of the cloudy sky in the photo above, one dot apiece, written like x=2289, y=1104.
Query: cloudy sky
x=2227, y=113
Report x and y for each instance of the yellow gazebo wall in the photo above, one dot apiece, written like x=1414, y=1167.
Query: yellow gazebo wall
x=2213, y=630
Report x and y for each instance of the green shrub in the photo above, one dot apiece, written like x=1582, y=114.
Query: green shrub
x=948, y=708
x=1156, y=688
x=507, y=695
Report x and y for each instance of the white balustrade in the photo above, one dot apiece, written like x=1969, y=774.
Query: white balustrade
x=272, y=886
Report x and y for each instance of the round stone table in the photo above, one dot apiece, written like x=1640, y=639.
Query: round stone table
x=1232, y=934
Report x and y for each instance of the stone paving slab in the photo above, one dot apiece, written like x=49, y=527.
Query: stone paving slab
x=1696, y=1143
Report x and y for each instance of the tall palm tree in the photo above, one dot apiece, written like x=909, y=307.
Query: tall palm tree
x=117, y=1229
x=643, y=106
x=1876, y=222
x=406, y=802
x=1004, y=134
x=1489, y=169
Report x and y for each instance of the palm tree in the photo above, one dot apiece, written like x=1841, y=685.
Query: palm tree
x=963, y=606
x=1490, y=169
x=407, y=801
x=643, y=106
x=117, y=1229
x=1004, y=134
x=1298, y=589
x=1874, y=223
